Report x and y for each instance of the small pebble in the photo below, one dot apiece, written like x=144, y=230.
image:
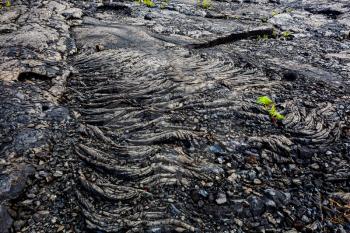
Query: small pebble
x=238, y=222
x=329, y=152
x=297, y=181
x=54, y=220
x=58, y=174
x=315, y=166
x=305, y=219
x=257, y=181
x=221, y=198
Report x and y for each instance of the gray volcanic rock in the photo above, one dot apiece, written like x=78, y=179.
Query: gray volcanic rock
x=72, y=13
x=5, y=220
x=13, y=181
x=33, y=40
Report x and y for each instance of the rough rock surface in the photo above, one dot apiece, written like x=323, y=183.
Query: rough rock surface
x=116, y=117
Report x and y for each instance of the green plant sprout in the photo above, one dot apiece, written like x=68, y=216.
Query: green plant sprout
x=289, y=10
x=286, y=34
x=164, y=4
x=274, y=114
x=8, y=3
x=148, y=3
x=264, y=100
x=264, y=37
x=274, y=13
x=270, y=107
x=205, y=4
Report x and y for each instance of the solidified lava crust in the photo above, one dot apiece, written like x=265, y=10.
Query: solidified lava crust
x=118, y=117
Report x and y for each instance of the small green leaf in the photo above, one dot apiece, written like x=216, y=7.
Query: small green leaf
x=206, y=4
x=286, y=34
x=270, y=107
x=279, y=116
x=264, y=100
x=272, y=110
x=274, y=114
x=149, y=3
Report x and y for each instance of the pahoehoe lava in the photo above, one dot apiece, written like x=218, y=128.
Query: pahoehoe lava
x=121, y=118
